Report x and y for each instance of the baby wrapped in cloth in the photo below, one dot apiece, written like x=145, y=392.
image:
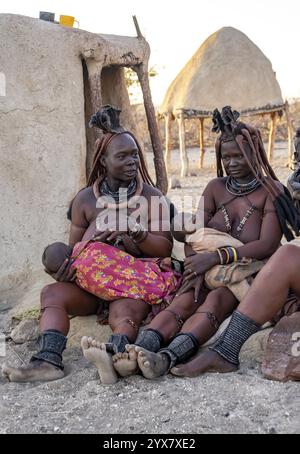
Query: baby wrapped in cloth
x=111, y=274
x=236, y=276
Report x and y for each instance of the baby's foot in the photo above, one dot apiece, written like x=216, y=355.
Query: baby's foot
x=126, y=363
x=95, y=352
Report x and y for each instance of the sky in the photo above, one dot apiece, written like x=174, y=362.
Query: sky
x=175, y=29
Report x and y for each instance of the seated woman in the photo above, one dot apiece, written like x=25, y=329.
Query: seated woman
x=266, y=300
x=251, y=205
x=119, y=174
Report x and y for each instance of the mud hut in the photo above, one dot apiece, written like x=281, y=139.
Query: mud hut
x=227, y=69
x=52, y=79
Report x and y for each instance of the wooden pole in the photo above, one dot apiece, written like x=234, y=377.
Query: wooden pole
x=202, y=147
x=94, y=71
x=137, y=27
x=95, y=86
x=272, y=135
x=168, y=151
x=159, y=163
x=183, y=153
x=290, y=133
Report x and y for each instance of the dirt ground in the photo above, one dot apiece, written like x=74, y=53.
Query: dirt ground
x=241, y=402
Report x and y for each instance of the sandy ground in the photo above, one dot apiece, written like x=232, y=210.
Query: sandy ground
x=242, y=402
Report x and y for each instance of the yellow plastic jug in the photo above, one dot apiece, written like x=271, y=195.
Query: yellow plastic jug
x=68, y=21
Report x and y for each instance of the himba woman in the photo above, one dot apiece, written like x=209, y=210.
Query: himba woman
x=118, y=163
x=251, y=205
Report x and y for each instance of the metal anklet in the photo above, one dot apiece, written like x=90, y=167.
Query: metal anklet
x=212, y=318
x=179, y=319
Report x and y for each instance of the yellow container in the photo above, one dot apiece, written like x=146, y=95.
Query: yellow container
x=68, y=21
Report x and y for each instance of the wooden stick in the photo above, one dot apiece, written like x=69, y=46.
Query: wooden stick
x=159, y=163
x=168, y=151
x=183, y=153
x=290, y=134
x=93, y=104
x=137, y=27
x=201, y=137
x=272, y=135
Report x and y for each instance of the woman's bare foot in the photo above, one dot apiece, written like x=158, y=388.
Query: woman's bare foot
x=126, y=363
x=35, y=371
x=152, y=365
x=208, y=361
x=96, y=353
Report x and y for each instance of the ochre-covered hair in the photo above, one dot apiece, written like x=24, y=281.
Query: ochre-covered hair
x=107, y=119
x=226, y=123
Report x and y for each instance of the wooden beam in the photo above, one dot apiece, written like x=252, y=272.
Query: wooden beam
x=201, y=138
x=159, y=163
x=290, y=134
x=94, y=72
x=183, y=153
x=168, y=150
x=272, y=135
x=95, y=90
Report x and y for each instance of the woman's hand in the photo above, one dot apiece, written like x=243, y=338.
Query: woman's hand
x=114, y=235
x=130, y=246
x=195, y=268
x=101, y=236
x=195, y=283
x=198, y=264
x=65, y=273
x=108, y=236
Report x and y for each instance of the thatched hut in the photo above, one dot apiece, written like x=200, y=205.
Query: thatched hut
x=227, y=69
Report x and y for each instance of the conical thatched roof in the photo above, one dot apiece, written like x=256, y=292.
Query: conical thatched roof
x=228, y=69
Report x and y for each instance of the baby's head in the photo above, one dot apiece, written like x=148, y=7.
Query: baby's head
x=54, y=255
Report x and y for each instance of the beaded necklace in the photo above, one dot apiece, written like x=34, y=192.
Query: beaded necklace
x=121, y=194
x=240, y=189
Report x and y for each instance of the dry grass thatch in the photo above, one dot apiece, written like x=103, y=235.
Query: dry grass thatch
x=227, y=69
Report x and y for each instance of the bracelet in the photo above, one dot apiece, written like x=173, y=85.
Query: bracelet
x=220, y=256
x=231, y=255
x=138, y=234
x=227, y=255
x=235, y=254
x=137, y=240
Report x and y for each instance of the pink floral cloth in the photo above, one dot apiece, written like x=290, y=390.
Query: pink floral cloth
x=112, y=274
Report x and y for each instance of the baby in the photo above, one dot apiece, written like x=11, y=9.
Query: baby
x=54, y=256
x=110, y=273
x=233, y=272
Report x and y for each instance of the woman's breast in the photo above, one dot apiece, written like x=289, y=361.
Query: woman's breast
x=250, y=231
x=90, y=231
